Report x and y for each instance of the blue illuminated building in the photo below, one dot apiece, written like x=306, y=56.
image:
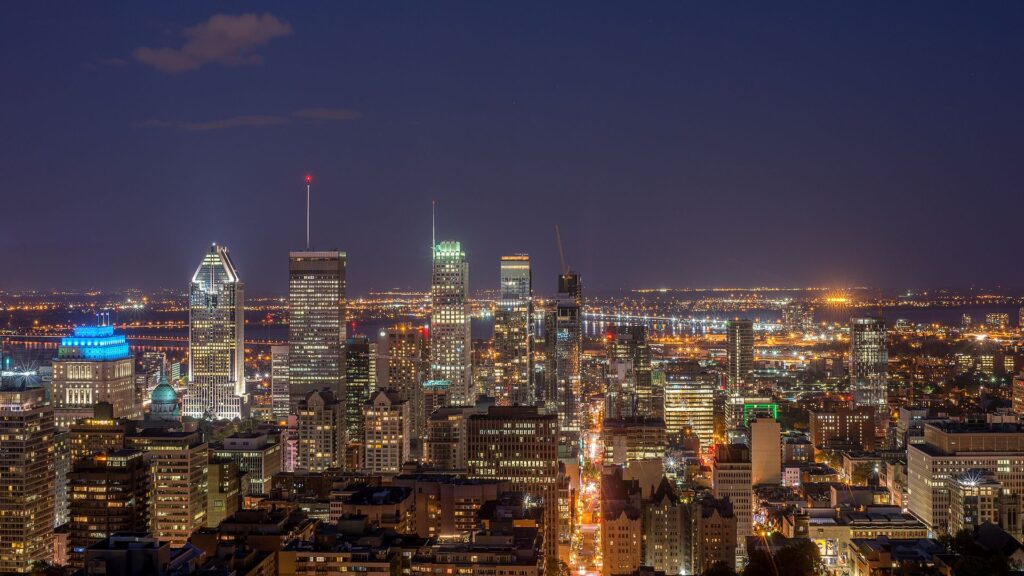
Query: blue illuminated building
x=94, y=343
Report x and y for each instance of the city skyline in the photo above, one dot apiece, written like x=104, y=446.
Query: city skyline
x=754, y=161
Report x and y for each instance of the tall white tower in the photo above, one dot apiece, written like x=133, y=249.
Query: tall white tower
x=450, y=344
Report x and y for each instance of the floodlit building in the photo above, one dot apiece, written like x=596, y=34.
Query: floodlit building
x=765, y=451
x=450, y=341
x=690, y=404
x=316, y=322
x=216, y=345
x=93, y=365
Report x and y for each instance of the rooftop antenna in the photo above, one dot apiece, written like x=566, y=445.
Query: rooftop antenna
x=433, y=225
x=309, y=181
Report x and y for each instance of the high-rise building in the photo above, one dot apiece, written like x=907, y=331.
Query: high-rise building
x=630, y=385
x=360, y=382
x=93, y=365
x=27, y=484
x=216, y=344
x=228, y=485
x=450, y=341
x=563, y=343
x=713, y=534
x=513, y=333
x=279, y=387
x=690, y=403
x=178, y=481
x=321, y=428
x=632, y=439
x=844, y=428
x=951, y=450
x=663, y=527
x=258, y=454
x=404, y=364
x=869, y=360
x=739, y=354
x=997, y=320
x=316, y=322
x=518, y=444
x=765, y=451
x=96, y=434
x=386, y=417
x=797, y=316
x=731, y=478
x=109, y=493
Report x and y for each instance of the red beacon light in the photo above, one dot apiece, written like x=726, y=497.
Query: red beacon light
x=309, y=179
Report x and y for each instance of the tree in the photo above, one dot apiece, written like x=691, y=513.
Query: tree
x=799, y=559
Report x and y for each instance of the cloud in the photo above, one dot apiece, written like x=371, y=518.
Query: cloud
x=328, y=114
x=234, y=122
x=224, y=39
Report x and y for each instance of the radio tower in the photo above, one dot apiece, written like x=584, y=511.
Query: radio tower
x=309, y=181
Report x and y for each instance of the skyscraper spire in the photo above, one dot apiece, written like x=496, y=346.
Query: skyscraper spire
x=433, y=225
x=309, y=181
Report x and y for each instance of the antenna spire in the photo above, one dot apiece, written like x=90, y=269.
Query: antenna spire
x=433, y=225
x=309, y=181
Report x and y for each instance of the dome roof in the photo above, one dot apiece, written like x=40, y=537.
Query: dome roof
x=164, y=393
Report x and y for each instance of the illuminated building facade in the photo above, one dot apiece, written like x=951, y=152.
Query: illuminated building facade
x=513, y=333
x=279, y=387
x=731, y=478
x=178, y=481
x=93, y=365
x=316, y=322
x=216, y=343
x=765, y=451
x=450, y=342
x=845, y=428
x=360, y=382
x=518, y=444
x=563, y=343
x=798, y=317
x=404, y=359
x=109, y=493
x=869, y=358
x=630, y=383
x=258, y=454
x=690, y=404
x=739, y=354
x=27, y=484
x=386, y=418
x=321, y=428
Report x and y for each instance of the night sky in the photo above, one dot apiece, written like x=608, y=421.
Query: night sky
x=676, y=144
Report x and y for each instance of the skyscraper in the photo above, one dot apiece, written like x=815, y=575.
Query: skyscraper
x=93, y=365
x=740, y=354
x=386, y=417
x=316, y=322
x=109, y=493
x=404, y=363
x=513, y=332
x=27, y=484
x=279, y=388
x=216, y=367
x=563, y=343
x=630, y=386
x=869, y=359
x=360, y=382
x=450, y=343
x=321, y=424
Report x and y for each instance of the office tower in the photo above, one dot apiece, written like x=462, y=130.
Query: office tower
x=97, y=434
x=216, y=341
x=279, y=386
x=765, y=451
x=731, y=478
x=714, y=531
x=404, y=363
x=518, y=444
x=843, y=429
x=450, y=342
x=631, y=439
x=869, y=359
x=316, y=322
x=386, y=417
x=563, y=343
x=258, y=454
x=27, y=484
x=513, y=332
x=690, y=404
x=227, y=485
x=739, y=354
x=797, y=317
x=93, y=365
x=360, y=382
x=109, y=493
x=952, y=449
x=321, y=427
x=630, y=385
x=663, y=526
x=178, y=481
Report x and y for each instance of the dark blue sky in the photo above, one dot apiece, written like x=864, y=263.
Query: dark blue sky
x=677, y=143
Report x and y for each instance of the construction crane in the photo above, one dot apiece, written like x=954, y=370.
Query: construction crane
x=561, y=252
